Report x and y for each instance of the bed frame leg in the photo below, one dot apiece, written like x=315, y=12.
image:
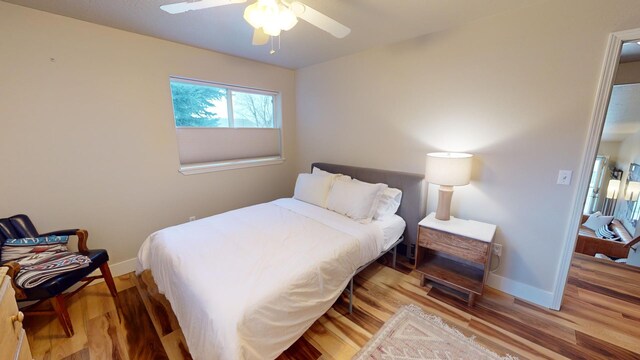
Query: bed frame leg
x=395, y=250
x=351, y=296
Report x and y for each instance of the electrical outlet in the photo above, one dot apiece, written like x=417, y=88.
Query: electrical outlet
x=192, y=218
x=497, y=250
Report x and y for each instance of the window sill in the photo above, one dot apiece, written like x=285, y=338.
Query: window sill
x=193, y=169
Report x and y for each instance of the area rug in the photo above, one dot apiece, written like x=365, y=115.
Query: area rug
x=412, y=334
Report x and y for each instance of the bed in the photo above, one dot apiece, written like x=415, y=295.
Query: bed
x=246, y=284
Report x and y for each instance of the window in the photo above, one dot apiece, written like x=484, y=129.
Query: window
x=593, y=194
x=221, y=127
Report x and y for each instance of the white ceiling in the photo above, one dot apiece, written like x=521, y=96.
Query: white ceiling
x=373, y=23
x=623, y=114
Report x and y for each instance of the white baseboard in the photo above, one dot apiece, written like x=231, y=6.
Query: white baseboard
x=521, y=290
x=117, y=269
x=512, y=287
x=123, y=267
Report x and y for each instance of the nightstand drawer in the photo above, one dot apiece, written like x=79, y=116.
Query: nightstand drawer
x=460, y=246
x=9, y=330
x=23, y=352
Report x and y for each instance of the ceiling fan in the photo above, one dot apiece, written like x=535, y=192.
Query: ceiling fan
x=269, y=17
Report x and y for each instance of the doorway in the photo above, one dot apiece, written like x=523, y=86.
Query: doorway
x=606, y=182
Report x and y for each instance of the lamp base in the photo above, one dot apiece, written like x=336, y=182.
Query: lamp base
x=609, y=206
x=444, y=202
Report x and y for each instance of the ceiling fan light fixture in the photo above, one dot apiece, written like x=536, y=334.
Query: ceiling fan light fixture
x=254, y=15
x=271, y=28
x=287, y=18
x=271, y=16
x=268, y=17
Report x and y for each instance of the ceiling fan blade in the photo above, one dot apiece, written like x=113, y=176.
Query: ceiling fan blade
x=259, y=37
x=319, y=20
x=185, y=6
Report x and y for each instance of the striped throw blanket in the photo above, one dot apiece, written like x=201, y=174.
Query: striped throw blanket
x=41, y=258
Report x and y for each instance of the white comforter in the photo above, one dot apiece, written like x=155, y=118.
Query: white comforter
x=248, y=283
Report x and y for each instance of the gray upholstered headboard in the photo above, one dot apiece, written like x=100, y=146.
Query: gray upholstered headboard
x=414, y=194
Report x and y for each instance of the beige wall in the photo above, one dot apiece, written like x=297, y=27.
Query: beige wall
x=628, y=73
x=88, y=139
x=516, y=89
x=610, y=149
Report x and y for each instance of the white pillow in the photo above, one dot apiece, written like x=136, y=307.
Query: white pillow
x=602, y=256
x=316, y=171
x=313, y=189
x=355, y=199
x=388, y=203
x=597, y=220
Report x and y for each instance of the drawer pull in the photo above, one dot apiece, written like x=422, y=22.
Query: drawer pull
x=17, y=317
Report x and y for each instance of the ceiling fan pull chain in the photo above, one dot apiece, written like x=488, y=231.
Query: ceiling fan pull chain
x=272, y=51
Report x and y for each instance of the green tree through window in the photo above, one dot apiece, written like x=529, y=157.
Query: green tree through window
x=194, y=105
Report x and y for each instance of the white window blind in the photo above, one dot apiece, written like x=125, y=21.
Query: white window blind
x=201, y=145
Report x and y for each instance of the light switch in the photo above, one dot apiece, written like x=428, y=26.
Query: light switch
x=564, y=177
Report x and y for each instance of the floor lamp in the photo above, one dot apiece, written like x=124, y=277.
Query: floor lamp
x=447, y=170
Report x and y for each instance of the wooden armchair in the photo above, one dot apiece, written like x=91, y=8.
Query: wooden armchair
x=631, y=243
x=20, y=226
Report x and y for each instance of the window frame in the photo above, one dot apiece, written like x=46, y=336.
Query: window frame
x=276, y=96
x=199, y=168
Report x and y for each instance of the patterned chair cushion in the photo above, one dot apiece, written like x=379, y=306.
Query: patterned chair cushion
x=41, y=259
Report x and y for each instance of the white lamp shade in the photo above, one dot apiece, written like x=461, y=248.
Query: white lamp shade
x=254, y=16
x=271, y=28
x=287, y=18
x=613, y=189
x=271, y=16
x=633, y=191
x=450, y=169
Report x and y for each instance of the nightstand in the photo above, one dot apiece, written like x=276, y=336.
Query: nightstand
x=455, y=253
x=13, y=339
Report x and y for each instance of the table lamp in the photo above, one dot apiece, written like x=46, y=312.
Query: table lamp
x=612, y=195
x=447, y=170
x=633, y=191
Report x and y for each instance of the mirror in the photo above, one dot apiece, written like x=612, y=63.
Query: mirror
x=611, y=213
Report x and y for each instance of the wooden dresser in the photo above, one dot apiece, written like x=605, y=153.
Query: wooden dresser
x=455, y=253
x=13, y=339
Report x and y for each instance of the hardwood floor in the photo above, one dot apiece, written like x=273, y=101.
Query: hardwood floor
x=600, y=319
